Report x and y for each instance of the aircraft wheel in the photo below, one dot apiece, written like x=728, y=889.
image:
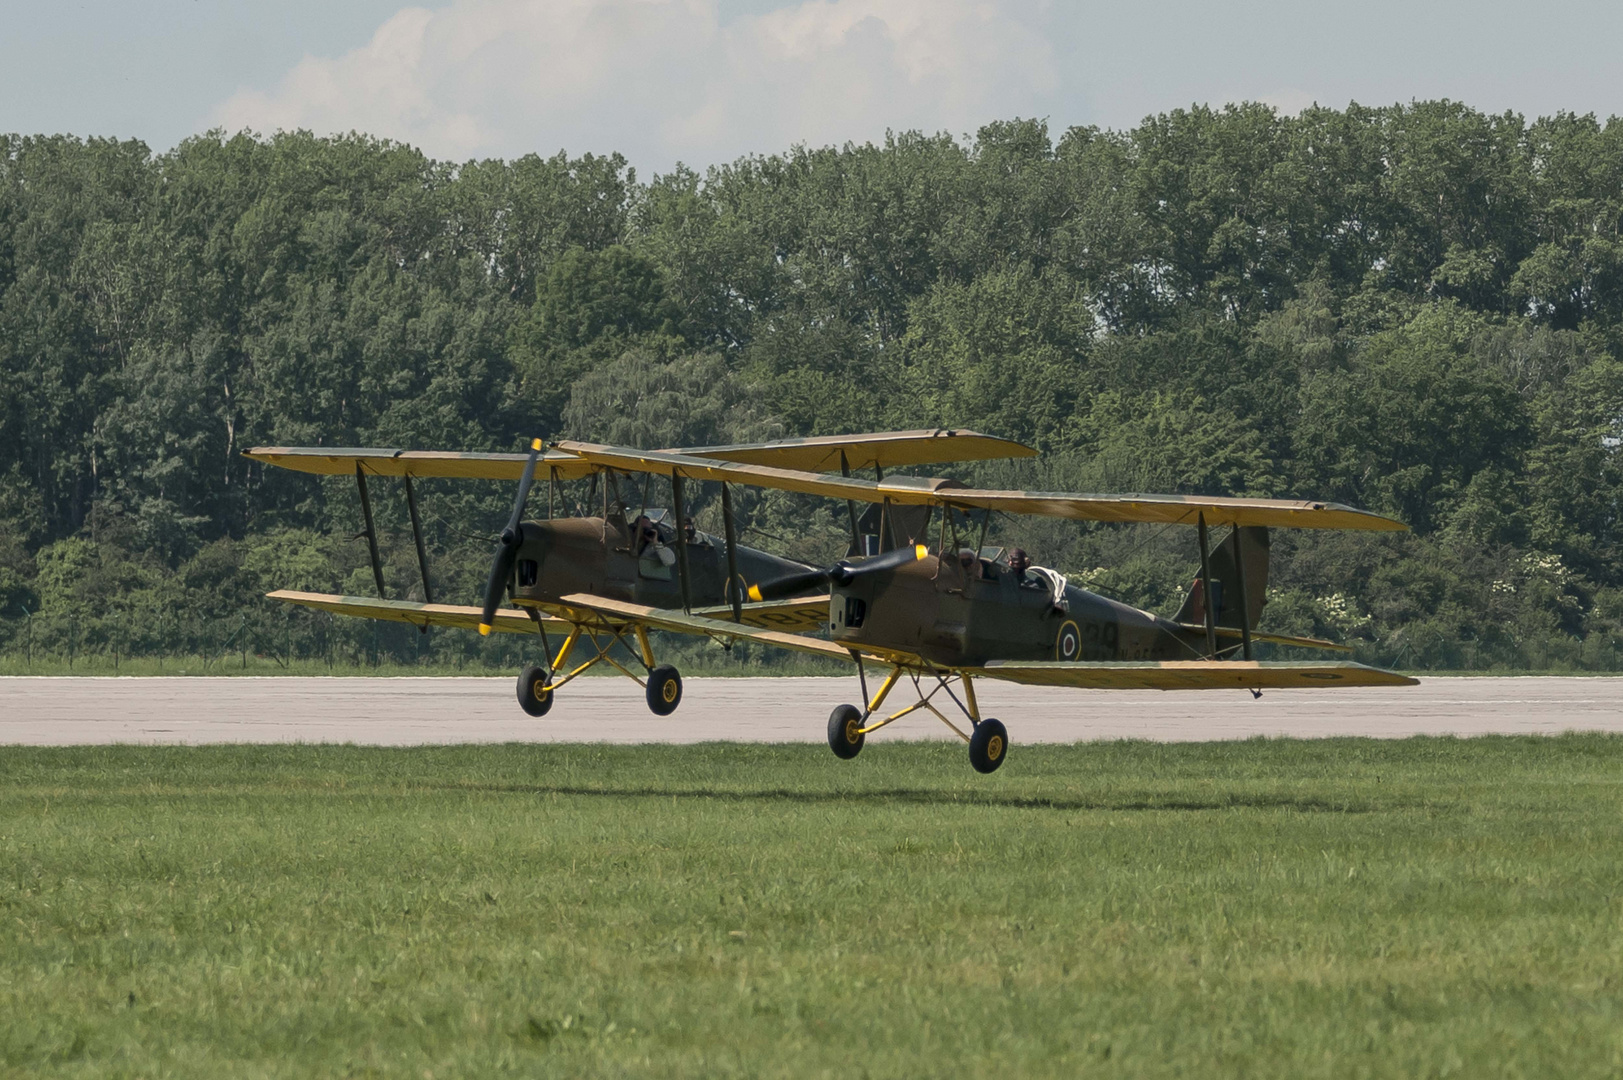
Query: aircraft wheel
x=533, y=697
x=845, y=734
x=664, y=690
x=988, y=745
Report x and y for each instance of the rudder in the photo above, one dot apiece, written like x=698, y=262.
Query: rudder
x=1225, y=581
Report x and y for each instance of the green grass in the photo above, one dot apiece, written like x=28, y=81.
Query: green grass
x=1425, y=907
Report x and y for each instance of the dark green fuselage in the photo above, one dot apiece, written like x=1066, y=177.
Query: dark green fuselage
x=601, y=557
x=954, y=616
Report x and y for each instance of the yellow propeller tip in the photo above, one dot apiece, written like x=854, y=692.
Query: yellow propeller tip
x=920, y=550
x=755, y=593
x=484, y=629
x=535, y=444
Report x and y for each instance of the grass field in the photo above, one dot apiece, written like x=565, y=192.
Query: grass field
x=1427, y=907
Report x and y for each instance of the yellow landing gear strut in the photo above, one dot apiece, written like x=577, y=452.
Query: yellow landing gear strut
x=662, y=687
x=848, y=726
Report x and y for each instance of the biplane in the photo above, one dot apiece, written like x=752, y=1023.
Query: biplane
x=630, y=551
x=936, y=621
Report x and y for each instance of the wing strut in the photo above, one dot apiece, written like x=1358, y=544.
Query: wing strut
x=1206, y=588
x=1245, y=599
x=417, y=535
x=851, y=508
x=371, y=532
x=734, y=591
x=681, y=538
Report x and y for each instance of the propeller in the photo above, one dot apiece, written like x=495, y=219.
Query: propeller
x=501, y=567
x=841, y=573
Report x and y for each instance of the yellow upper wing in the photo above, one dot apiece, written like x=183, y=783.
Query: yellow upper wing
x=899, y=489
x=1174, y=509
x=826, y=453
x=341, y=461
x=882, y=449
x=1178, y=509
x=802, y=465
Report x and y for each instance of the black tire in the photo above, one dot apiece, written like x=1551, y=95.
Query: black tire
x=845, y=734
x=988, y=745
x=533, y=697
x=664, y=690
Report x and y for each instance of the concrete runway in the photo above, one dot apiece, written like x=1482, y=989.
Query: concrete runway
x=389, y=712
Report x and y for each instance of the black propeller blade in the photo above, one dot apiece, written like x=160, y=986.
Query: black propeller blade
x=841, y=573
x=507, y=546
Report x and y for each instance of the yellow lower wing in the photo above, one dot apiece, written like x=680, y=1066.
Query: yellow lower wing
x=1190, y=674
x=802, y=616
x=579, y=606
x=1110, y=675
x=805, y=615
x=366, y=607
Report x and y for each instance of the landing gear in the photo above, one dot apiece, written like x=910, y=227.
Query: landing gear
x=988, y=739
x=845, y=733
x=538, y=682
x=534, y=692
x=988, y=745
x=664, y=690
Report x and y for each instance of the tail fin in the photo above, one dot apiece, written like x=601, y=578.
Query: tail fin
x=1225, y=573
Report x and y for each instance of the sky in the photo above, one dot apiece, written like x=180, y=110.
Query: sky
x=706, y=81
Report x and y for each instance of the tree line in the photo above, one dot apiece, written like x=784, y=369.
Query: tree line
x=1415, y=309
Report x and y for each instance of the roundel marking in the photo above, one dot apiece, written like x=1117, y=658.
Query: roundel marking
x=1068, y=645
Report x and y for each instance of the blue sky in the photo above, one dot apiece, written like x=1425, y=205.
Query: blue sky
x=702, y=81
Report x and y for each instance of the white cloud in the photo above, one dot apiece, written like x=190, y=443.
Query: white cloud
x=662, y=80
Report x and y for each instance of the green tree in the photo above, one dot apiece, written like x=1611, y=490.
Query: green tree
x=1408, y=423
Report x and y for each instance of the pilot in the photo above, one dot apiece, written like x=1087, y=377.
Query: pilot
x=1020, y=565
x=647, y=535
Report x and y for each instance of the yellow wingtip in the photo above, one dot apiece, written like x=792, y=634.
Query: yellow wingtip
x=484, y=629
x=754, y=593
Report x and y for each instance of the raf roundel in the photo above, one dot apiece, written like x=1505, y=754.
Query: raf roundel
x=1069, y=642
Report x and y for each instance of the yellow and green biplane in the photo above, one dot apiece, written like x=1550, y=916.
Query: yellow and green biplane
x=935, y=621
